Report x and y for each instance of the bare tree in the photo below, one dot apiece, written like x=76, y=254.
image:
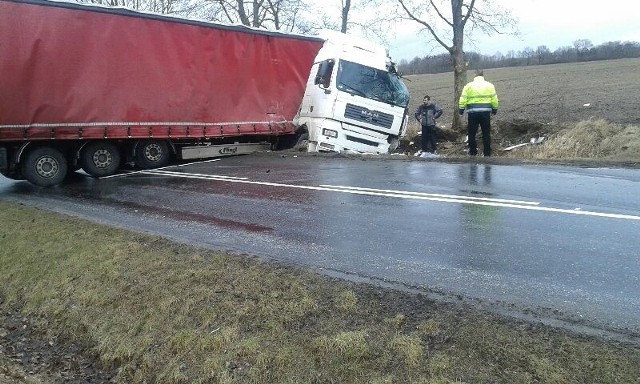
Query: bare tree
x=543, y=54
x=528, y=54
x=582, y=46
x=361, y=17
x=287, y=15
x=475, y=14
x=270, y=14
x=346, y=7
x=176, y=7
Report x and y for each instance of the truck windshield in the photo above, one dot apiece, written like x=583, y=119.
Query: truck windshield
x=372, y=83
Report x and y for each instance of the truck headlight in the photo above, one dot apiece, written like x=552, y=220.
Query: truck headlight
x=329, y=133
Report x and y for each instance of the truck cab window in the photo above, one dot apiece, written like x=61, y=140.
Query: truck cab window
x=323, y=77
x=372, y=83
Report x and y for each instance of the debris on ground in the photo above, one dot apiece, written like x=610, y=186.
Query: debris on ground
x=506, y=135
x=533, y=141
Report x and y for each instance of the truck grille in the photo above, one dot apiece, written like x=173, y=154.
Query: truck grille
x=368, y=116
x=362, y=141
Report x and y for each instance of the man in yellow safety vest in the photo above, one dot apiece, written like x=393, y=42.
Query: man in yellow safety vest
x=480, y=100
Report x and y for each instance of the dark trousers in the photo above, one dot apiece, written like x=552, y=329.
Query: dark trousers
x=482, y=119
x=429, y=138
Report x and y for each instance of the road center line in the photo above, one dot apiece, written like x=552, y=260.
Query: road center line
x=489, y=199
x=399, y=195
x=129, y=173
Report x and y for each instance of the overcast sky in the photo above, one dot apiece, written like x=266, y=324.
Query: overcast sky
x=554, y=23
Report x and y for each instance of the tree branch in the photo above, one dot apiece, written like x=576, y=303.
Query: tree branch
x=427, y=26
x=469, y=12
x=440, y=14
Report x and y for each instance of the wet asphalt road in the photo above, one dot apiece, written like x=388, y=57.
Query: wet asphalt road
x=558, y=242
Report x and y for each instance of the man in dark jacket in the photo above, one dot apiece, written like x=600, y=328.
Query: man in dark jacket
x=427, y=114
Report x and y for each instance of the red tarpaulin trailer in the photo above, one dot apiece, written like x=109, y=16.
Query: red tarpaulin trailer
x=73, y=73
x=65, y=64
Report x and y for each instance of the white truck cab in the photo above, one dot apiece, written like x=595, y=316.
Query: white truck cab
x=354, y=100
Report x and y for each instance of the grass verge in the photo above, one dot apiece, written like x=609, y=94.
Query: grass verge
x=155, y=311
x=588, y=139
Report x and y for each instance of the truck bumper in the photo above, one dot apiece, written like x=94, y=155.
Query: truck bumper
x=4, y=161
x=334, y=136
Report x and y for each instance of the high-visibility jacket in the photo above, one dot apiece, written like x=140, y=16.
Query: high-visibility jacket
x=478, y=96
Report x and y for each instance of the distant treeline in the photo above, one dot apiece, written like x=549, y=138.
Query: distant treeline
x=582, y=50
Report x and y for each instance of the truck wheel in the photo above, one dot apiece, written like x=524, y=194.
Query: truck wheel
x=394, y=142
x=100, y=158
x=44, y=166
x=152, y=154
x=302, y=142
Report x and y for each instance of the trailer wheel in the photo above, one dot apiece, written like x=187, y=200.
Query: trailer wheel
x=152, y=154
x=44, y=166
x=100, y=158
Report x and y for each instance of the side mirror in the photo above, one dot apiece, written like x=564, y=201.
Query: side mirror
x=392, y=68
x=323, y=77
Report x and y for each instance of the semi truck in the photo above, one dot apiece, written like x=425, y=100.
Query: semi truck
x=97, y=88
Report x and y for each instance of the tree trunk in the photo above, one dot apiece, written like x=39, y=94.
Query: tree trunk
x=244, y=19
x=459, y=64
x=459, y=81
x=345, y=15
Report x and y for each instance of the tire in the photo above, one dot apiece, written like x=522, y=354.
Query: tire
x=312, y=146
x=100, y=158
x=44, y=166
x=302, y=142
x=394, y=143
x=152, y=154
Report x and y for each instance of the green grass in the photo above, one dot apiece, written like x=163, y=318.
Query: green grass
x=164, y=312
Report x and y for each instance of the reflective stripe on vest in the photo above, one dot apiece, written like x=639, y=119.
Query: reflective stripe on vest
x=478, y=96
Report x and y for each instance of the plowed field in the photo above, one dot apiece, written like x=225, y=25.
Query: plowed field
x=557, y=93
x=593, y=102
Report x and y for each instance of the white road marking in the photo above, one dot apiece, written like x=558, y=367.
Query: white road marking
x=125, y=174
x=195, y=175
x=434, y=195
x=191, y=163
x=526, y=205
x=129, y=173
